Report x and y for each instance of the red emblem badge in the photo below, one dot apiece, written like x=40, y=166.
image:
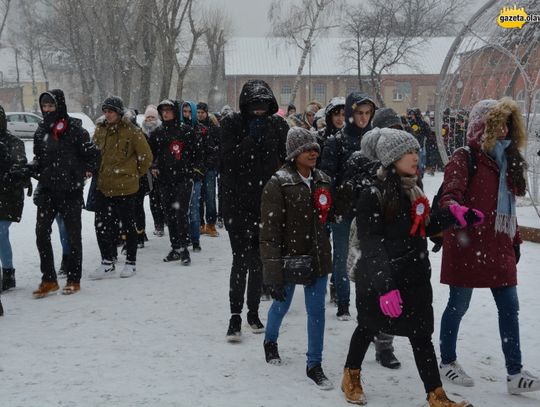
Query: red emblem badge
x=419, y=214
x=176, y=148
x=323, y=202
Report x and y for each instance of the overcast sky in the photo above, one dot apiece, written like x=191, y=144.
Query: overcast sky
x=250, y=16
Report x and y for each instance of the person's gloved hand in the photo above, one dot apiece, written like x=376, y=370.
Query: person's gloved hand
x=257, y=127
x=277, y=292
x=466, y=216
x=517, y=252
x=18, y=174
x=390, y=304
x=33, y=167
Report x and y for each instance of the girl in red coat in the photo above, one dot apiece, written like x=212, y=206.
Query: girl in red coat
x=486, y=256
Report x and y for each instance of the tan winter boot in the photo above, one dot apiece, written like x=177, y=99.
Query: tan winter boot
x=352, y=387
x=45, y=288
x=71, y=288
x=203, y=230
x=438, y=398
x=211, y=231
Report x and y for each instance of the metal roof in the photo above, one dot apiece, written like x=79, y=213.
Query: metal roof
x=271, y=56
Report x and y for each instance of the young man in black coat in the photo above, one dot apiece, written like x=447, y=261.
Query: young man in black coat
x=253, y=148
x=175, y=157
x=63, y=156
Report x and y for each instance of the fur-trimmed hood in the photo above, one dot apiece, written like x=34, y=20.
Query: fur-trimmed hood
x=506, y=110
x=127, y=119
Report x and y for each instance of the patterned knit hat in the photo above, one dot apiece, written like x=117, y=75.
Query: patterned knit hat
x=394, y=144
x=300, y=140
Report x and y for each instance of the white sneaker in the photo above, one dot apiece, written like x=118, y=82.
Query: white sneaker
x=104, y=270
x=128, y=270
x=454, y=373
x=522, y=382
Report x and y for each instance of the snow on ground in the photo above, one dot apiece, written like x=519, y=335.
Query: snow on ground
x=158, y=339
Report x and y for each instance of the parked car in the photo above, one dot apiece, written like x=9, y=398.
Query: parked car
x=87, y=122
x=22, y=124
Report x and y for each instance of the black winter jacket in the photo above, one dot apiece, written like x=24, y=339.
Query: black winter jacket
x=212, y=144
x=249, y=160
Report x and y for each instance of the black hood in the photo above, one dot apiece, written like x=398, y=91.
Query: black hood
x=59, y=100
x=355, y=99
x=3, y=123
x=177, y=110
x=257, y=91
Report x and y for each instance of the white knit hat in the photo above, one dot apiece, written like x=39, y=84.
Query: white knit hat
x=151, y=110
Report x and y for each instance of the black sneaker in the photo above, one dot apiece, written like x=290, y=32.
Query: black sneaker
x=62, y=273
x=332, y=290
x=386, y=358
x=173, y=255
x=8, y=279
x=343, y=313
x=1, y=309
x=317, y=375
x=255, y=323
x=197, y=247
x=234, y=333
x=141, y=240
x=219, y=223
x=184, y=257
x=271, y=353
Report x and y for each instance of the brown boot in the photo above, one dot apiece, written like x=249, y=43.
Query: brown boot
x=45, y=288
x=203, y=229
x=71, y=288
x=352, y=387
x=211, y=231
x=438, y=398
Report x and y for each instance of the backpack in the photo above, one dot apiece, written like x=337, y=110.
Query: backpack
x=471, y=171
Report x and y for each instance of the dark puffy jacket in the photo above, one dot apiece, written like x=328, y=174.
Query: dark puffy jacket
x=339, y=147
x=212, y=145
x=290, y=223
x=61, y=162
x=13, y=178
x=175, y=149
x=250, y=158
x=200, y=131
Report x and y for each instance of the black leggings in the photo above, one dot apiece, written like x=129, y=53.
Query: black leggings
x=424, y=356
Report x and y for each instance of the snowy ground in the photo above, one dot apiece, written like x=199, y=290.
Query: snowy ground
x=158, y=339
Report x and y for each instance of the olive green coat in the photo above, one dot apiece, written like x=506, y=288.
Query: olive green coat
x=125, y=157
x=290, y=223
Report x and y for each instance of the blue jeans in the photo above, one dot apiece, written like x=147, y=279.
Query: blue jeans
x=64, y=241
x=507, y=302
x=194, y=212
x=314, y=298
x=209, y=201
x=6, y=255
x=340, y=237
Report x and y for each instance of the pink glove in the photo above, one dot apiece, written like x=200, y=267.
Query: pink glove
x=390, y=304
x=466, y=216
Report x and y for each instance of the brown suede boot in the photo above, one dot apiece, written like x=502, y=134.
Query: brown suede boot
x=203, y=230
x=352, y=387
x=71, y=288
x=438, y=398
x=45, y=288
x=211, y=231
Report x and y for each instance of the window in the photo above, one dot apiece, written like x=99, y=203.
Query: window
x=31, y=119
x=520, y=99
x=319, y=92
x=537, y=102
x=15, y=118
x=401, y=91
x=286, y=91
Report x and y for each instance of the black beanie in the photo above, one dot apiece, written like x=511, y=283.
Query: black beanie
x=114, y=103
x=202, y=106
x=47, y=98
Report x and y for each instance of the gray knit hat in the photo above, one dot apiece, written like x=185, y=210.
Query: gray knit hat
x=368, y=145
x=386, y=117
x=394, y=144
x=300, y=140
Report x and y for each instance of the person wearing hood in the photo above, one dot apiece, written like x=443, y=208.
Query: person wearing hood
x=125, y=158
x=359, y=111
x=253, y=148
x=175, y=157
x=63, y=157
x=14, y=177
x=149, y=125
x=212, y=158
x=334, y=119
x=189, y=117
x=308, y=118
x=487, y=256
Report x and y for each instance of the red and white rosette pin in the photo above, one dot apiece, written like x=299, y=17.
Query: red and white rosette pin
x=59, y=127
x=419, y=214
x=176, y=149
x=323, y=202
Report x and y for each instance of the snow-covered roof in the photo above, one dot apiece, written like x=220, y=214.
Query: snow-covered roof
x=274, y=56
x=9, y=70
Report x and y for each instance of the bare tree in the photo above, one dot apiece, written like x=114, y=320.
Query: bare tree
x=388, y=33
x=4, y=11
x=196, y=33
x=300, y=24
x=219, y=30
x=169, y=16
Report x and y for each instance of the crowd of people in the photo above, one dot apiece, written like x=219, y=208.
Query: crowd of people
x=334, y=191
